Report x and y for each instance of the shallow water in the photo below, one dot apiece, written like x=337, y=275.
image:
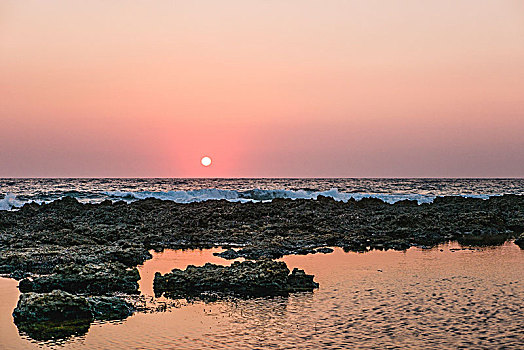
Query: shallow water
x=413, y=299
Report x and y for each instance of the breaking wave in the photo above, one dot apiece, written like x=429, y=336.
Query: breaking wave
x=10, y=201
x=257, y=195
x=177, y=196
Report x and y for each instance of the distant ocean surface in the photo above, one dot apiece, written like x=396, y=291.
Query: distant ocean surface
x=15, y=192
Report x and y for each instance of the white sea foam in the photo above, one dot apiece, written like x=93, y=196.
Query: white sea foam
x=9, y=202
x=257, y=195
x=178, y=196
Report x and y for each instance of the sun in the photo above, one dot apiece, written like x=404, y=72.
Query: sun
x=205, y=161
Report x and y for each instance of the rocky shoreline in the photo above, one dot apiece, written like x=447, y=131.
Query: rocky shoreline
x=92, y=250
x=37, y=238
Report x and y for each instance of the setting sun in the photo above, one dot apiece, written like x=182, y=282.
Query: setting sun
x=206, y=161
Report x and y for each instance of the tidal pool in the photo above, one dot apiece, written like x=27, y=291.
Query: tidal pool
x=443, y=297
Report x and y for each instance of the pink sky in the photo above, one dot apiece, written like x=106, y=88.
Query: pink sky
x=266, y=88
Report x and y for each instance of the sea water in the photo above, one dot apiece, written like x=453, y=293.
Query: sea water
x=445, y=298
x=16, y=192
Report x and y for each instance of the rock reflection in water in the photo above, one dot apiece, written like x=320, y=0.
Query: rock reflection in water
x=54, y=330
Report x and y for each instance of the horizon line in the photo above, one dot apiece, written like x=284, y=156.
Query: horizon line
x=271, y=177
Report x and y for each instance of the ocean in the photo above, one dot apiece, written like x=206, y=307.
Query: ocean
x=15, y=192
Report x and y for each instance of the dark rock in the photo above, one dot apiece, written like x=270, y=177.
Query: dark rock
x=246, y=278
x=480, y=240
x=517, y=228
x=54, y=306
x=55, y=315
x=106, y=203
x=44, y=258
x=255, y=253
x=324, y=250
x=128, y=256
x=109, y=308
x=229, y=254
x=30, y=207
x=300, y=251
x=59, y=315
x=325, y=199
x=18, y=275
x=371, y=202
x=406, y=203
x=97, y=279
x=299, y=281
x=520, y=241
x=397, y=244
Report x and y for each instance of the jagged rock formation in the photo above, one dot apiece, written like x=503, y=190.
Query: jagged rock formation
x=246, y=278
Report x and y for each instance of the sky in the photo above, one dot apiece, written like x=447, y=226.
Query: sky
x=267, y=88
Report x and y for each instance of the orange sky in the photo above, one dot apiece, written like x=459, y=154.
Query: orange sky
x=269, y=88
